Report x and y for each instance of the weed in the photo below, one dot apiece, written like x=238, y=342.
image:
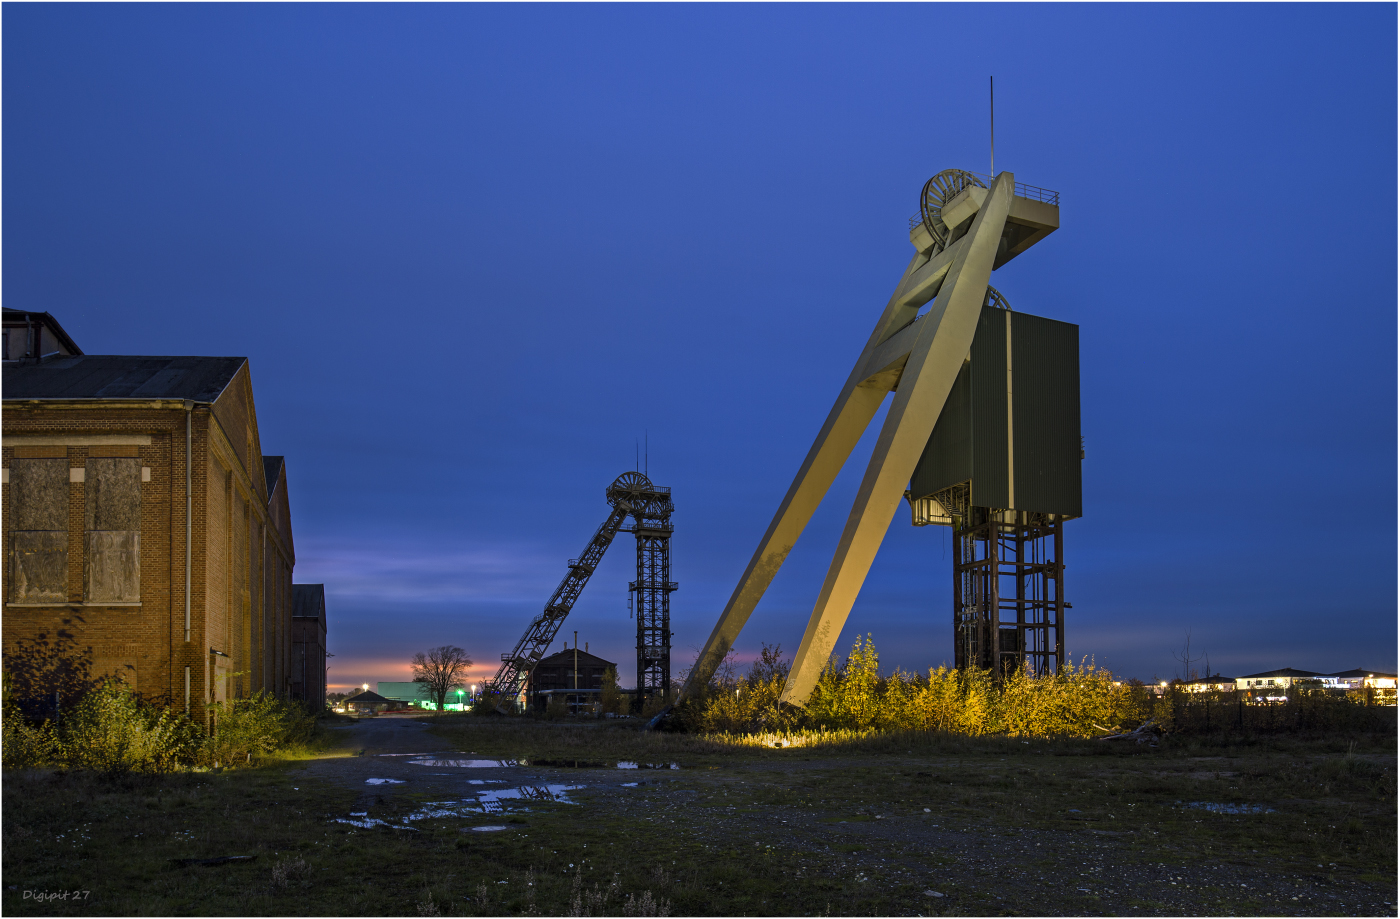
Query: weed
x=645, y=905
x=288, y=872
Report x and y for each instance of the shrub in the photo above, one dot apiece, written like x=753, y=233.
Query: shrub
x=111, y=730
x=25, y=744
x=255, y=727
x=611, y=700
x=852, y=697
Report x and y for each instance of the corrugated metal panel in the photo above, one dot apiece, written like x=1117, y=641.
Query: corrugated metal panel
x=989, y=474
x=1045, y=408
x=947, y=459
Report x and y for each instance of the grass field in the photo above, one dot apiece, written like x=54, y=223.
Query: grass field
x=871, y=827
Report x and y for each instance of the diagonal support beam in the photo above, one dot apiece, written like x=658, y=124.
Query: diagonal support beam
x=877, y=371
x=941, y=341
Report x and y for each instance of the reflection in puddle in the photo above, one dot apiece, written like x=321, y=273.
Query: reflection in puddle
x=488, y=829
x=467, y=763
x=629, y=784
x=479, y=781
x=383, y=781
x=1231, y=808
x=488, y=801
x=367, y=823
x=596, y=764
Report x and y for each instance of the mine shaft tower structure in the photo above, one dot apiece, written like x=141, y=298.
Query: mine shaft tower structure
x=631, y=494
x=651, y=592
x=982, y=435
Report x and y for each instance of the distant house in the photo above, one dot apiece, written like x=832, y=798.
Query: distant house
x=308, y=641
x=1272, y=683
x=573, y=673
x=1359, y=679
x=1215, y=683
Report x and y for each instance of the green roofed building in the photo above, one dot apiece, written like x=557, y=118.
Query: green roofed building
x=417, y=694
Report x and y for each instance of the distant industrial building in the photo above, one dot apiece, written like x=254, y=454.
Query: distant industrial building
x=309, y=643
x=141, y=516
x=417, y=695
x=572, y=673
x=366, y=702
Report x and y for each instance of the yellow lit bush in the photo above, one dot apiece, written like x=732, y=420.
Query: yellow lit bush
x=111, y=730
x=852, y=699
x=244, y=728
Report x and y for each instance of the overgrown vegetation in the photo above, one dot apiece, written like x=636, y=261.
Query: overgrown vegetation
x=852, y=698
x=110, y=729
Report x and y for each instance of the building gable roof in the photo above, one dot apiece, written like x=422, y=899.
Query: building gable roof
x=1285, y=672
x=114, y=376
x=566, y=657
x=1359, y=673
x=368, y=695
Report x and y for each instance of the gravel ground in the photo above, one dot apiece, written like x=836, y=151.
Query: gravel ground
x=841, y=822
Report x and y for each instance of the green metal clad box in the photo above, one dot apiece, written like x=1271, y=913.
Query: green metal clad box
x=1024, y=459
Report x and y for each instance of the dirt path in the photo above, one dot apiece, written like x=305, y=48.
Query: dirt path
x=400, y=757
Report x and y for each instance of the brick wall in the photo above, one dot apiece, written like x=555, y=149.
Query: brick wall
x=145, y=643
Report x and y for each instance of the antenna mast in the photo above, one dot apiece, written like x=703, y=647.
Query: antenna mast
x=992, y=98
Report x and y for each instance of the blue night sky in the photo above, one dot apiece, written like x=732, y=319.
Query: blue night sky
x=475, y=253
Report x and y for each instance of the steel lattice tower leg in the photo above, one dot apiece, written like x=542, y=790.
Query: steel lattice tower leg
x=1008, y=591
x=653, y=605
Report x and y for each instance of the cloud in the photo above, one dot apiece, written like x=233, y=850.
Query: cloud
x=399, y=571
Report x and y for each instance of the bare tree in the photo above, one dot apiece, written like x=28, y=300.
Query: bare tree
x=442, y=670
x=1188, y=662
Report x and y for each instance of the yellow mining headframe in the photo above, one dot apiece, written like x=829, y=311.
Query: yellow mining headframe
x=968, y=226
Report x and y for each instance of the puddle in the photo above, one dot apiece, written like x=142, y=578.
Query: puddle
x=477, y=781
x=488, y=801
x=596, y=764
x=429, y=753
x=383, y=781
x=629, y=784
x=366, y=823
x=467, y=763
x=1231, y=808
x=488, y=829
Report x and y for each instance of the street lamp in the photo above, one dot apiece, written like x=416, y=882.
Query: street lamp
x=459, y=697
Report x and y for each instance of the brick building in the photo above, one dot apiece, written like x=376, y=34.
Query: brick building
x=309, y=643
x=575, y=674
x=140, y=513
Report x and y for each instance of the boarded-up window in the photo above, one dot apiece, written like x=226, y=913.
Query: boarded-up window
x=112, y=535
x=39, y=540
